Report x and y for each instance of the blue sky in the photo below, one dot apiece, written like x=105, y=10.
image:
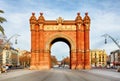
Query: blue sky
x=104, y=14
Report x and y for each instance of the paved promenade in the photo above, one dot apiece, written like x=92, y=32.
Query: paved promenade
x=15, y=73
x=61, y=75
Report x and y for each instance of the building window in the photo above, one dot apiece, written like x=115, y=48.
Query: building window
x=7, y=57
x=103, y=58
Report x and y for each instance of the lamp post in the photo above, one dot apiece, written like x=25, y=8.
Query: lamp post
x=18, y=61
x=106, y=35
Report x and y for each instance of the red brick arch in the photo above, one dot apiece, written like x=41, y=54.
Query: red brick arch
x=62, y=36
x=73, y=32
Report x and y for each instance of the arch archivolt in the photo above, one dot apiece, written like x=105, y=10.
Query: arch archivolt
x=53, y=37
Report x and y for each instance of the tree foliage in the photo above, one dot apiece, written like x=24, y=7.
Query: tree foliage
x=25, y=59
x=2, y=19
x=66, y=61
x=54, y=60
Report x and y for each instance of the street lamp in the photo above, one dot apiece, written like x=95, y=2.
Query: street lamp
x=18, y=61
x=106, y=35
x=15, y=35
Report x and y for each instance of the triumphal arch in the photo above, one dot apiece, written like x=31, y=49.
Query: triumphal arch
x=75, y=33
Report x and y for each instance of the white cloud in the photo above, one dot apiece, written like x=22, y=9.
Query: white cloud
x=104, y=21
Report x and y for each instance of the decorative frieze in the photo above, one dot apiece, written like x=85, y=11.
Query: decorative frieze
x=60, y=27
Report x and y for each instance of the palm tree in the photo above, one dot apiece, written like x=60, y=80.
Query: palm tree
x=1, y=21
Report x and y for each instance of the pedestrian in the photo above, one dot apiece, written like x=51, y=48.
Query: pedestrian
x=6, y=67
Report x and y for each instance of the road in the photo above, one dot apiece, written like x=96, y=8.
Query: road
x=57, y=75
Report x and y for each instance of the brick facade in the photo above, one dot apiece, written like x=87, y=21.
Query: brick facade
x=73, y=32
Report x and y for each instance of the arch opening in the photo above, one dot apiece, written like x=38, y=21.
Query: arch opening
x=62, y=40
x=60, y=51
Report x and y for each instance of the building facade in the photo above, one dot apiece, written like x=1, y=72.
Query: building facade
x=98, y=58
x=9, y=56
x=115, y=58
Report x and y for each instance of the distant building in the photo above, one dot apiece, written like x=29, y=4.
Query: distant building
x=98, y=58
x=115, y=58
x=9, y=56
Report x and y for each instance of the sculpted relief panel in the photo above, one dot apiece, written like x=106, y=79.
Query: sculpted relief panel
x=60, y=27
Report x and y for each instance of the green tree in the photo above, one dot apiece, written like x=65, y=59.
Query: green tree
x=66, y=60
x=54, y=60
x=2, y=19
